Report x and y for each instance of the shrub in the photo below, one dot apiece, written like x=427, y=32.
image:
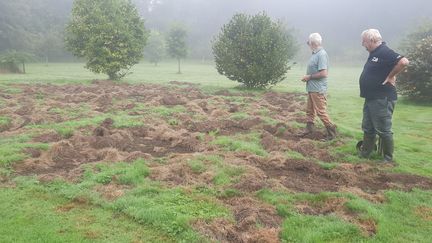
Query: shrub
x=11, y=60
x=416, y=80
x=253, y=50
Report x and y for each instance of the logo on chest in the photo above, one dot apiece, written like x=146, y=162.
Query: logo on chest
x=374, y=59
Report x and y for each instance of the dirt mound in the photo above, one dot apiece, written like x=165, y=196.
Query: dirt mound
x=336, y=206
x=306, y=176
x=254, y=222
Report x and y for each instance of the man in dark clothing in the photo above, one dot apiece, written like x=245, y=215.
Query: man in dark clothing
x=377, y=86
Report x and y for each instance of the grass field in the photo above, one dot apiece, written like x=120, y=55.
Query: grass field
x=64, y=211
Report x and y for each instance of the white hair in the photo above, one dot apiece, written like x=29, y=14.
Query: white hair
x=372, y=35
x=315, y=38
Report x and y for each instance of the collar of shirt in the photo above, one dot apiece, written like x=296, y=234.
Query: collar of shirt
x=317, y=50
x=379, y=47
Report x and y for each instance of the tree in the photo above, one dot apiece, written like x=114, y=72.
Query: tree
x=417, y=35
x=109, y=34
x=253, y=50
x=176, y=42
x=12, y=59
x=155, y=49
x=416, y=80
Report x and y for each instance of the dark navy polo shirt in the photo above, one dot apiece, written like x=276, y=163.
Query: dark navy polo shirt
x=380, y=63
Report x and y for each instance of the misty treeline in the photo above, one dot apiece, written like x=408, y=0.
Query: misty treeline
x=36, y=27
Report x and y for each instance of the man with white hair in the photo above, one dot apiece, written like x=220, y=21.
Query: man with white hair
x=316, y=86
x=377, y=86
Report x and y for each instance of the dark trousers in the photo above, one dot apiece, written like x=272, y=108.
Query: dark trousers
x=377, y=117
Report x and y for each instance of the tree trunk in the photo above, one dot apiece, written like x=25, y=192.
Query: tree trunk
x=23, y=67
x=179, y=71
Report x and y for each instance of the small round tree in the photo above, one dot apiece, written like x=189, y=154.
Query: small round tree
x=155, y=49
x=254, y=50
x=176, y=41
x=416, y=80
x=109, y=34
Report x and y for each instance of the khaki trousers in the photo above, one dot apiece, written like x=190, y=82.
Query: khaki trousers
x=317, y=106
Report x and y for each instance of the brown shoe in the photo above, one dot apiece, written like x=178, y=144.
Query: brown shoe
x=310, y=127
x=331, y=132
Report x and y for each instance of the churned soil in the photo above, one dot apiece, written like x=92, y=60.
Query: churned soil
x=178, y=123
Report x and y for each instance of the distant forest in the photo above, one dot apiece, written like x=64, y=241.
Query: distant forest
x=37, y=26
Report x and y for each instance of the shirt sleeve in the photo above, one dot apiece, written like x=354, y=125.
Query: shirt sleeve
x=393, y=57
x=322, y=62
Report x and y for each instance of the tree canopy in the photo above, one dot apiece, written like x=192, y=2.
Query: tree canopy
x=108, y=34
x=254, y=50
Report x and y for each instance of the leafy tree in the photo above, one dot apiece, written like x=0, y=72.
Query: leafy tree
x=417, y=35
x=253, y=50
x=109, y=34
x=155, y=49
x=416, y=80
x=176, y=42
x=12, y=59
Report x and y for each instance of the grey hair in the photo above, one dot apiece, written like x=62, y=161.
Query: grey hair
x=372, y=35
x=315, y=38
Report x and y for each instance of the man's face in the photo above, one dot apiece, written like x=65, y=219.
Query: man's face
x=366, y=43
x=311, y=46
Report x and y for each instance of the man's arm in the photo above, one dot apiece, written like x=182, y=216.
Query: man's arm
x=321, y=74
x=401, y=65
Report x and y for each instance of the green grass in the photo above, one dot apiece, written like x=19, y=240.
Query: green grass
x=4, y=121
x=170, y=210
x=65, y=132
x=399, y=219
x=121, y=120
x=242, y=143
x=224, y=174
x=227, y=174
x=72, y=113
x=123, y=173
x=11, y=149
x=167, y=212
x=239, y=116
x=197, y=165
x=166, y=111
x=34, y=215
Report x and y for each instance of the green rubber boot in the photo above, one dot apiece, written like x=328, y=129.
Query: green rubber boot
x=367, y=146
x=387, y=148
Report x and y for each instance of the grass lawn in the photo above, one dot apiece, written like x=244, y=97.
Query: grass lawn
x=62, y=211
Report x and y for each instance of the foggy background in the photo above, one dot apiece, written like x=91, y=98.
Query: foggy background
x=36, y=26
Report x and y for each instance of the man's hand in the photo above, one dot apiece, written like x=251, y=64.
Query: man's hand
x=390, y=80
x=305, y=78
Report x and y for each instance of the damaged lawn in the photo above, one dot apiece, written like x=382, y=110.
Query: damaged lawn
x=117, y=162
